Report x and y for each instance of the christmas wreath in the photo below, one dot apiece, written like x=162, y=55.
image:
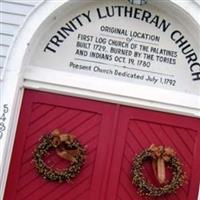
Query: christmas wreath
x=66, y=147
x=159, y=156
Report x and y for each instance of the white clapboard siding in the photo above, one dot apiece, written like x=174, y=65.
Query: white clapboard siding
x=13, y=13
x=8, y=28
x=2, y=60
x=3, y=49
x=6, y=39
x=12, y=18
x=23, y=2
x=11, y=8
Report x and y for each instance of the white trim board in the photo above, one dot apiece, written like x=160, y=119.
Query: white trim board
x=17, y=78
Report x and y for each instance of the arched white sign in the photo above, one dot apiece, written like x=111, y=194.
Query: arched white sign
x=122, y=42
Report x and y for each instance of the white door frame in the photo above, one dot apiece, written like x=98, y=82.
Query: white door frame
x=15, y=80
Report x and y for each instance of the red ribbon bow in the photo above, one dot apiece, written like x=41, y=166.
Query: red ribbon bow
x=59, y=141
x=160, y=155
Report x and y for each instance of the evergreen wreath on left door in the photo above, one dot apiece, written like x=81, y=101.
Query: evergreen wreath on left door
x=66, y=147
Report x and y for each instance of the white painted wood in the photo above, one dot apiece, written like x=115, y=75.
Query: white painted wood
x=13, y=84
x=2, y=60
x=30, y=3
x=193, y=10
x=12, y=19
x=49, y=77
x=20, y=9
x=198, y=2
x=6, y=40
x=13, y=13
x=9, y=28
x=3, y=49
x=138, y=2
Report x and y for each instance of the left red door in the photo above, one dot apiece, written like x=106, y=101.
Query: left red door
x=87, y=120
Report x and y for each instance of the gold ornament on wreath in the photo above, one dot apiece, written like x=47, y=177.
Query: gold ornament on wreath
x=66, y=147
x=160, y=157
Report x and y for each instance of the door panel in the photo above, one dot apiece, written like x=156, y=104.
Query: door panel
x=113, y=134
x=138, y=130
x=40, y=114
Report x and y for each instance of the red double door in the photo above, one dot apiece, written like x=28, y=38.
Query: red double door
x=113, y=133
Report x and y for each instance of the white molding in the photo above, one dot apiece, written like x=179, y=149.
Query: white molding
x=198, y=2
x=13, y=84
x=112, y=98
x=119, y=91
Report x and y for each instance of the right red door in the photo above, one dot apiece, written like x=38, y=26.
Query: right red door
x=138, y=129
